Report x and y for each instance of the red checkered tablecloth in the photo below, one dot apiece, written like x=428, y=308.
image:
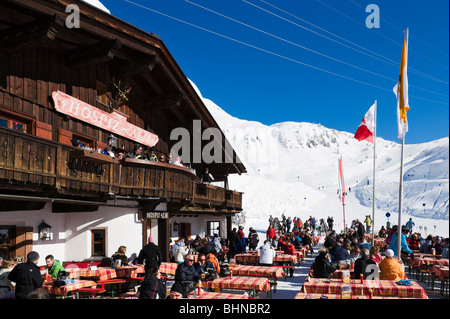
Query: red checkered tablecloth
x=264, y=271
x=427, y=261
x=168, y=268
x=440, y=271
x=302, y=295
x=99, y=274
x=254, y=258
x=300, y=253
x=130, y=271
x=62, y=291
x=218, y=295
x=239, y=283
x=379, y=288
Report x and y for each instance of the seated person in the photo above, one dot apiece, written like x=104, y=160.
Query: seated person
x=211, y=256
x=176, y=292
x=322, y=266
x=267, y=254
x=205, y=268
x=153, y=286
x=339, y=253
x=53, y=266
x=186, y=274
x=120, y=254
x=391, y=268
x=362, y=265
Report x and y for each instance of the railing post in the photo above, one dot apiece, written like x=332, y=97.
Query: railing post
x=59, y=166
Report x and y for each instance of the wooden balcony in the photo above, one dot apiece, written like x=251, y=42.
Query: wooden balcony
x=49, y=169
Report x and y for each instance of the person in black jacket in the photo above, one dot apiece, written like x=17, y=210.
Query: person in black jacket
x=186, y=274
x=323, y=267
x=362, y=263
x=205, y=268
x=153, y=286
x=339, y=253
x=27, y=276
x=151, y=254
x=233, y=239
x=253, y=239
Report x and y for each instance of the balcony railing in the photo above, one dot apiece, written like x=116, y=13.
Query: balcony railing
x=40, y=164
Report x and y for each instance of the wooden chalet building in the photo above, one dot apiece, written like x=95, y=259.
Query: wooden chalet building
x=58, y=86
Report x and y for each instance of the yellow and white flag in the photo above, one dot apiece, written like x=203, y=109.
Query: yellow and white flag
x=401, y=91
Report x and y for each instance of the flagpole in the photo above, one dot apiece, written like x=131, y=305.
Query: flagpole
x=374, y=155
x=403, y=103
x=400, y=196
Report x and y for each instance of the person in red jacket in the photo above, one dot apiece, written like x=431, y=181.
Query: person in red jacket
x=289, y=249
x=241, y=232
x=270, y=232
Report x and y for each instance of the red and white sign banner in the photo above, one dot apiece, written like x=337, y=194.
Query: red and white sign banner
x=112, y=122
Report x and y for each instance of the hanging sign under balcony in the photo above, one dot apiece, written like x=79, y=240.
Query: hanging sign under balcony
x=157, y=215
x=112, y=122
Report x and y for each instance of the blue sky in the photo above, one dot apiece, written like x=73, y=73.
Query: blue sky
x=260, y=63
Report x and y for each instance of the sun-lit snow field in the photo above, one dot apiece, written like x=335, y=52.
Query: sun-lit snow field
x=293, y=169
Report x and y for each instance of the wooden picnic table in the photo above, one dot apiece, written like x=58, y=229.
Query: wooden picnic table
x=440, y=271
x=69, y=287
x=379, y=288
x=130, y=271
x=424, y=255
x=275, y=272
x=254, y=258
x=300, y=253
x=218, y=295
x=428, y=261
x=168, y=268
x=252, y=285
x=302, y=295
x=99, y=274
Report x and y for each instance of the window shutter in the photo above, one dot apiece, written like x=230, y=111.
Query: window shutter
x=43, y=130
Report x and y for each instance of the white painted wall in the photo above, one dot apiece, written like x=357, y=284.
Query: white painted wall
x=121, y=226
x=71, y=232
x=199, y=225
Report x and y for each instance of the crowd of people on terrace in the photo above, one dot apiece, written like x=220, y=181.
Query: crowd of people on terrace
x=351, y=248
x=209, y=257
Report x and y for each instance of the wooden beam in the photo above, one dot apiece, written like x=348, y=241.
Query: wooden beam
x=31, y=34
x=137, y=65
x=153, y=83
x=165, y=102
x=92, y=54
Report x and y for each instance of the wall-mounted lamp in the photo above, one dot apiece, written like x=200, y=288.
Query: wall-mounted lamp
x=44, y=231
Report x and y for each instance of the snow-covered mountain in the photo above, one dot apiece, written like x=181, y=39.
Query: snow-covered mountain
x=98, y=4
x=293, y=169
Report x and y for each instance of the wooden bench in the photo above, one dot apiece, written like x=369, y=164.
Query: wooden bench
x=111, y=282
x=129, y=295
x=92, y=291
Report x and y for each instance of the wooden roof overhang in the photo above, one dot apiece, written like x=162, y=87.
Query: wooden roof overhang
x=132, y=52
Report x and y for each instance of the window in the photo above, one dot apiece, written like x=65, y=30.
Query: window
x=7, y=236
x=101, y=93
x=14, y=123
x=213, y=228
x=98, y=242
x=84, y=142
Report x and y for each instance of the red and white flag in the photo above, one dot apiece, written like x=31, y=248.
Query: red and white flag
x=366, y=128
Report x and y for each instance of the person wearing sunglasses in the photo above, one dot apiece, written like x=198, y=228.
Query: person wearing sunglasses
x=187, y=275
x=205, y=268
